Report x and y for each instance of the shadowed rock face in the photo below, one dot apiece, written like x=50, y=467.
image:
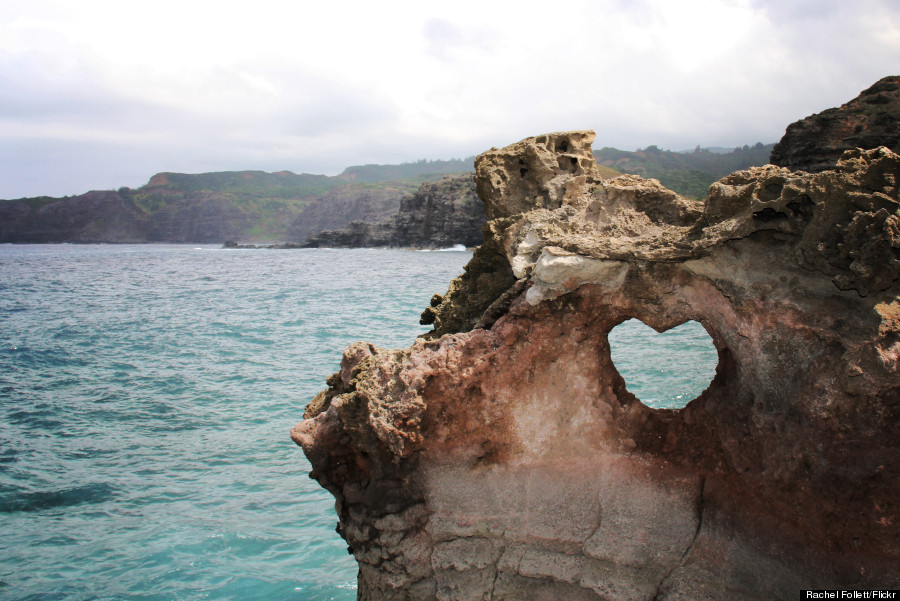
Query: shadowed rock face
x=439, y=215
x=870, y=120
x=98, y=216
x=501, y=457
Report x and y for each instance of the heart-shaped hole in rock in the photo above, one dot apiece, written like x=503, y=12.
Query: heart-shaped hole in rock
x=664, y=371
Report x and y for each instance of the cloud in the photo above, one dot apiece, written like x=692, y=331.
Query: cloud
x=98, y=90
x=446, y=40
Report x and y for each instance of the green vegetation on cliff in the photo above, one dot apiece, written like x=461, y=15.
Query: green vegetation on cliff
x=688, y=173
x=213, y=207
x=425, y=170
x=255, y=206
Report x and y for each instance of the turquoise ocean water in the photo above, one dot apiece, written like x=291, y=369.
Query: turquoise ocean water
x=146, y=395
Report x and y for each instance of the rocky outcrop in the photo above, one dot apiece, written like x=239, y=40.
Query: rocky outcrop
x=344, y=205
x=502, y=457
x=357, y=234
x=870, y=120
x=201, y=217
x=438, y=215
x=441, y=214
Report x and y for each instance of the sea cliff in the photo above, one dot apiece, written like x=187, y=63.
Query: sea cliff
x=439, y=215
x=250, y=206
x=502, y=457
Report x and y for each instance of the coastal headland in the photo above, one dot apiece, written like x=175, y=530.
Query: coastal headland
x=502, y=457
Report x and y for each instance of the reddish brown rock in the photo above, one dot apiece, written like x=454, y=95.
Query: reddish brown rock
x=503, y=458
x=870, y=120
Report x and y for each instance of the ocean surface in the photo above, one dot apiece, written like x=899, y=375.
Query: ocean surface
x=146, y=398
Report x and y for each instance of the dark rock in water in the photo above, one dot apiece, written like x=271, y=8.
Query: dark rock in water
x=358, y=234
x=338, y=207
x=438, y=215
x=870, y=120
x=502, y=457
x=231, y=244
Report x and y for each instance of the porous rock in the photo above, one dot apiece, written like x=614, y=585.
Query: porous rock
x=870, y=120
x=502, y=457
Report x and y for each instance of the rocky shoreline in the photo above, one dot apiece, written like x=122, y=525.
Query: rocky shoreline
x=502, y=457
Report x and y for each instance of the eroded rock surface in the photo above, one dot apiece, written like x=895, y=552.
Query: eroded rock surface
x=502, y=457
x=870, y=120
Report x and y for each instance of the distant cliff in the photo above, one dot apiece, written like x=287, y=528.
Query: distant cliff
x=91, y=217
x=438, y=215
x=213, y=207
x=367, y=205
x=870, y=120
x=343, y=204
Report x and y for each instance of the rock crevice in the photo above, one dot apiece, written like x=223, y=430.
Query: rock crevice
x=509, y=459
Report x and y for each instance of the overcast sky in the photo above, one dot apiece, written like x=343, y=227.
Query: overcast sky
x=101, y=94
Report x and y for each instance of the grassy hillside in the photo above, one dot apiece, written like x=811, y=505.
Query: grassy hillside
x=257, y=183
x=429, y=170
x=213, y=207
x=688, y=173
x=255, y=189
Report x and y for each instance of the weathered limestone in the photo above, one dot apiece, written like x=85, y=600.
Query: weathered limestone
x=502, y=457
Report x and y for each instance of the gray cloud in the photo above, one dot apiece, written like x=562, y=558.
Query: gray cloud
x=75, y=115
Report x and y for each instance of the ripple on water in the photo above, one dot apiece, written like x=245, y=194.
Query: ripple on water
x=13, y=501
x=146, y=395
